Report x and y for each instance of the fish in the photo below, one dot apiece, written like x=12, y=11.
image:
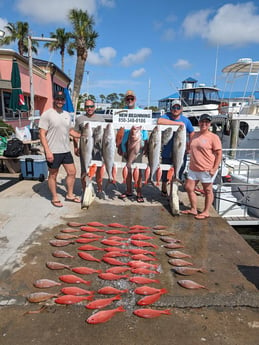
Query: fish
x=188, y=271
x=154, y=151
x=72, y=279
x=147, y=290
x=170, y=174
x=85, y=270
x=179, y=262
x=166, y=136
x=143, y=280
x=57, y=265
x=140, y=270
x=102, y=302
x=65, y=236
x=115, y=231
x=88, y=194
x=112, y=242
x=147, y=174
x=139, y=263
x=97, y=224
x=113, y=261
x=90, y=235
x=115, y=249
x=37, y=297
x=177, y=254
x=135, y=176
x=174, y=198
x=119, y=136
x=143, y=257
x=91, y=229
x=108, y=149
x=76, y=291
x=117, y=225
x=75, y=224
x=114, y=254
x=169, y=239
x=72, y=299
x=62, y=254
x=163, y=232
x=45, y=283
x=87, y=240
x=86, y=145
x=69, y=230
x=150, y=299
x=92, y=171
x=88, y=257
x=138, y=231
x=173, y=245
x=118, y=269
x=141, y=237
x=60, y=243
x=116, y=238
x=124, y=173
x=143, y=244
x=112, y=276
x=99, y=179
x=110, y=290
x=160, y=227
x=89, y=247
x=179, y=146
x=149, y=313
x=104, y=315
x=190, y=284
x=139, y=227
x=133, y=144
x=141, y=251
x=97, y=140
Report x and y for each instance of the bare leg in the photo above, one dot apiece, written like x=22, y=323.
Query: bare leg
x=209, y=197
x=164, y=187
x=99, y=180
x=52, y=183
x=139, y=184
x=70, y=179
x=190, y=189
x=129, y=181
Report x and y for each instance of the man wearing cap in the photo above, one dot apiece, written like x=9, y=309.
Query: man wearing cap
x=205, y=158
x=55, y=128
x=175, y=117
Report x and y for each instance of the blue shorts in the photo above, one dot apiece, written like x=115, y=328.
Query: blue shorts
x=60, y=159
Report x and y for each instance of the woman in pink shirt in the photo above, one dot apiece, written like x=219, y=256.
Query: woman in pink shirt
x=205, y=157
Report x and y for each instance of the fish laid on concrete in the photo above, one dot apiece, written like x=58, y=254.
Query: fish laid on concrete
x=188, y=271
x=88, y=257
x=133, y=144
x=117, y=225
x=139, y=263
x=149, y=313
x=143, y=244
x=140, y=270
x=102, y=302
x=112, y=276
x=76, y=291
x=154, y=151
x=75, y=224
x=141, y=251
x=147, y=290
x=115, y=254
x=110, y=290
x=69, y=230
x=118, y=269
x=85, y=270
x=92, y=236
x=113, y=261
x=72, y=279
x=97, y=224
x=112, y=242
x=169, y=239
x=57, y=265
x=45, y=283
x=141, y=237
x=115, y=231
x=86, y=145
x=139, y=227
x=65, y=236
x=60, y=243
x=37, y=297
x=179, y=262
x=177, y=254
x=190, y=284
x=115, y=249
x=62, y=254
x=143, y=257
x=160, y=227
x=108, y=149
x=143, y=280
x=86, y=240
x=173, y=245
x=150, y=299
x=89, y=247
x=163, y=232
x=72, y=299
x=91, y=229
x=97, y=140
x=104, y=315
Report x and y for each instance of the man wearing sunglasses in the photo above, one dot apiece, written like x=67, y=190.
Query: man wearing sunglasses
x=80, y=120
x=175, y=117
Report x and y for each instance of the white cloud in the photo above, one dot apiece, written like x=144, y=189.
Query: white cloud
x=139, y=57
x=182, y=64
x=168, y=35
x=53, y=11
x=102, y=57
x=107, y=3
x=3, y=23
x=138, y=72
x=231, y=25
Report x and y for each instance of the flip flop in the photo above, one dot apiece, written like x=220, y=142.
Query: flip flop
x=140, y=198
x=188, y=212
x=124, y=196
x=75, y=199
x=201, y=216
x=56, y=203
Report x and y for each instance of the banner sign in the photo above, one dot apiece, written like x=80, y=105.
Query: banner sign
x=132, y=116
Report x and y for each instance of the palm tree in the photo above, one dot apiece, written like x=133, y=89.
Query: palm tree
x=62, y=38
x=102, y=98
x=83, y=38
x=19, y=31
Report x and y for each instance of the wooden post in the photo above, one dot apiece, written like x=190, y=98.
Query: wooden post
x=234, y=133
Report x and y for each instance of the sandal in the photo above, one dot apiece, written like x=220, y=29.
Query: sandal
x=124, y=196
x=140, y=198
x=164, y=194
x=75, y=199
x=56, y=203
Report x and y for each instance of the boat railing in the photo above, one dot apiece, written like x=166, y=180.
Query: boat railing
x=248, y=165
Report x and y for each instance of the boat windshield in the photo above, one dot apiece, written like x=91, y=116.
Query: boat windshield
x=200, y=96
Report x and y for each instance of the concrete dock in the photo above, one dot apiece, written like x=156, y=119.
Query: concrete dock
x=226, y=312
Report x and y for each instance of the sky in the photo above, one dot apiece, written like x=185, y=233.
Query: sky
x=148, y=46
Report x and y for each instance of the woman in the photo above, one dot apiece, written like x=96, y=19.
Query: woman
x=205, y=157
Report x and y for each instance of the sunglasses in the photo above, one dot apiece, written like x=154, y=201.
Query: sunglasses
x=89, y=106
x=176, y=107
x=130, y=99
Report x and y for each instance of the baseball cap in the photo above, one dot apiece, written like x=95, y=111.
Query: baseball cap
x=205, y=117
x=59, y=94
x=130, y=93
x=176, y=102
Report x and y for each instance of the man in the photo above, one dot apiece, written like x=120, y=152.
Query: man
x=55, y=128
x=175, y=117
x=80, y=120
x=130, y=100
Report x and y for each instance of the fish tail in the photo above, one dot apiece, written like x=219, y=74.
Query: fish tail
x=167, y=311
x=120, y=308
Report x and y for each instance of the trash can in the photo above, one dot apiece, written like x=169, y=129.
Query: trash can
x=33, y=167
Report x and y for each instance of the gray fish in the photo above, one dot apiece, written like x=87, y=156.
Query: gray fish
x=179, y=262
x=188, y=271
x=154, y=151
x=108, y=149
x=86, y=145
x=61, y=254
x=169, y=239
x=179, y=146
x=37, y=297
x=60, y=243
x=57, y=265
x=177, y=254
x=133, y=144
x=190, y=284
x=89, y=194
x=98, y=138
x=167, y=135
x=45, y=283
x=64, y=236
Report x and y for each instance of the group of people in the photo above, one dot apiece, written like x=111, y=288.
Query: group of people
x=203, y=147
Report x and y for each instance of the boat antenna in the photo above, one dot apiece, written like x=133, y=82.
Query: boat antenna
x=216, y=66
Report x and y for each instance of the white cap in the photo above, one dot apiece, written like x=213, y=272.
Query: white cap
x=176, y=102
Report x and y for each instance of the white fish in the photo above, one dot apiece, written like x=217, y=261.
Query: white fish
x=179, y=146
x=89, y=194
x=154, y=150
x=174, y=198
x=108, y=148
x=98, y=138
x=167, y=135
x=86, y=145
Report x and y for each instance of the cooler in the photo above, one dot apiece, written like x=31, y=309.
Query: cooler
x=34, y=167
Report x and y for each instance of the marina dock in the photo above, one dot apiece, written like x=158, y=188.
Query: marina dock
x=226, y=312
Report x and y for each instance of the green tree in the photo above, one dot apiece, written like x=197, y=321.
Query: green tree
x=102, y=98
x=83, y=39
x=19, y=32
x=62, y=38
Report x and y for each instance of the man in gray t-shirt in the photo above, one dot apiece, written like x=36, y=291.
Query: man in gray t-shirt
x=80, y=120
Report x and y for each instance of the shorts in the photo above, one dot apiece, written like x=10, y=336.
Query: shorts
x=202, y=176
x=60, y=159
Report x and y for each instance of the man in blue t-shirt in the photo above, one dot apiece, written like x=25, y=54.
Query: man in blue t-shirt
x=175, y=117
